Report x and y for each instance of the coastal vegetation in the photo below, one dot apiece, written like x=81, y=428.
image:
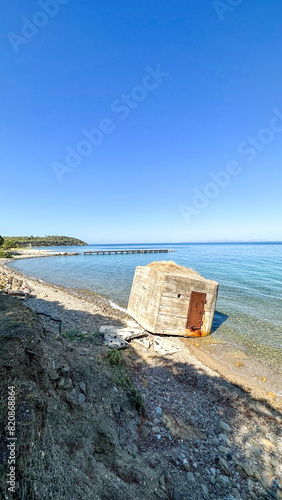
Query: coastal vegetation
x=39, y=241
x=122, y=378
x=5, y=255
x=3, y=247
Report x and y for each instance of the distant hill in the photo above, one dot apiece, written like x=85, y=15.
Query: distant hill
x=44, y=241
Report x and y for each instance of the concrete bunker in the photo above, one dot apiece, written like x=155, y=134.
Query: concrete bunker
x=173, y=300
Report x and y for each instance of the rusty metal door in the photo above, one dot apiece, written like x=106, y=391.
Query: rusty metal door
x=196, y=311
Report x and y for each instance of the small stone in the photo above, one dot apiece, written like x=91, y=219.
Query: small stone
x=248, y=469
x=224, y=467
x=215, y=441
x=241, y=471
x=213, y=471
x=239, y=363
x=205, y=491
x=61, y=382
x=223, y=437
x=139, y=476
x=255, y=451
x=65, y=369
x=162, y=481
x=251, y=484
x=82, y=386
x=191, y=477
x=271, y=395
x=251, y=442
x=271, y=493
x=273, y=462
x=186, y=465
x=263, y=483
x=236, y=493
x=223, y=450
x=156, y=429
x=213, y=480
x=145, y=432
x=257, y=475
x=224, y=427
x=267, y=443
x=263, y=379
x=81, y=398
x=176, y=494
x=159, y=411
x=259, y=491
x=67, y=383
x=275, y=485
x=222, y=480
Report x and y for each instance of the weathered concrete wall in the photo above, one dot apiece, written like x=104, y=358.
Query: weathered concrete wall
x=145, y=296
x=175, y=301
x=160, y=299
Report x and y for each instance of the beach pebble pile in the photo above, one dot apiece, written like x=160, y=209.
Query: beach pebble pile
x=218, y=442
x=216, y=465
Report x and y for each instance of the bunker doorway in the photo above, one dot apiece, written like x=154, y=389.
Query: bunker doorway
x=196, y=312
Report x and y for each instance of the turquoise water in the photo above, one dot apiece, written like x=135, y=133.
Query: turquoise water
x=249, y=306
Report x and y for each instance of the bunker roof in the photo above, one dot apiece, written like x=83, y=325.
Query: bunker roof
x=171, y=268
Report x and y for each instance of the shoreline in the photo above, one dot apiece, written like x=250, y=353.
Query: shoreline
x=77, y=307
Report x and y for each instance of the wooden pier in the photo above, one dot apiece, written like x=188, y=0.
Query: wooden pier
x=132, y=250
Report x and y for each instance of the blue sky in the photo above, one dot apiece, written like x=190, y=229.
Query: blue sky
x=200, y=87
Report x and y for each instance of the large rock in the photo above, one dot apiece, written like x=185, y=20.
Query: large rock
x=117, y=337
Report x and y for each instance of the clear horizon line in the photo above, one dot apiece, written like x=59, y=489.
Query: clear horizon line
x=191, y=242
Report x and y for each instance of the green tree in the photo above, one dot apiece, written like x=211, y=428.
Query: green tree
x=8, y=244
x=1, y=240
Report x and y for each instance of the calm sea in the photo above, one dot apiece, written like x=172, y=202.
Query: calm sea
x=249, y=306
